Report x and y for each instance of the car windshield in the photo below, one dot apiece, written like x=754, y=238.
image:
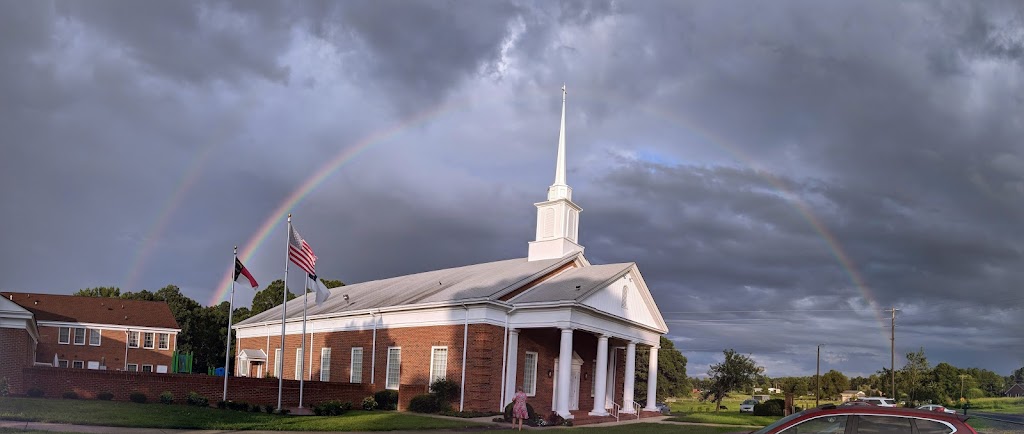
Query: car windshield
x=750, y=402
x=778, y=423
x=889, y=401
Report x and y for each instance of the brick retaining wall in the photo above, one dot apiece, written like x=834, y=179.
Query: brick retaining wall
x=87, y=383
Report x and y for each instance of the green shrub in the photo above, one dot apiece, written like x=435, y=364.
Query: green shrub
x=332, y=408
x=4, y=388
x=137, y=397
x=531, y=415
x=69, y=395
x=427, y=403
x=369, y=403
x=222, y=404
x=105, y=396
x=771, y=407
x=255, y=408
x=269, y=409
x=386, y=399
x=472, y=414
x=284, y=411
x=167, y=397
x=197, y=400
x=34, y=392
x=446, y=390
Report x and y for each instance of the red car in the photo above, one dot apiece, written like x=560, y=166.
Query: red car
x=866, y=419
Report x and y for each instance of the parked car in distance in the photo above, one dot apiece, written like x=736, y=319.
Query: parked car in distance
x=936, y=407
x=661, y=406
x=833, y=419
x=748, y=406
x=879, y=401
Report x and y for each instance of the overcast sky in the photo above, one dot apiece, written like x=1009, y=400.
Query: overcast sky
x=781, y=172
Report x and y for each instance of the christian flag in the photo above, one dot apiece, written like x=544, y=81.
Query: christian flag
x=241, y=271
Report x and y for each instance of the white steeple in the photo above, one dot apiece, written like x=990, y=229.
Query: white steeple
x=558, y=217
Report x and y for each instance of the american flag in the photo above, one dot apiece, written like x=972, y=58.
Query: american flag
x=300, y=253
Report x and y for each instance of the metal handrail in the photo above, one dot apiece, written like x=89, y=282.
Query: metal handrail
x=615, y=410
x=636, y=409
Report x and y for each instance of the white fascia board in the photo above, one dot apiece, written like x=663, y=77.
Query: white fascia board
x=444, y=306
x=577, y=306
x=107, y=326
x=577, y=317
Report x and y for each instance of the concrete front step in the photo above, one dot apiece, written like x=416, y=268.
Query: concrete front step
x=582, y=417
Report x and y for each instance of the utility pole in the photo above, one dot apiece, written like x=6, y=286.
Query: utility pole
x=962, y=376
x=817, y=377
x=892, y=352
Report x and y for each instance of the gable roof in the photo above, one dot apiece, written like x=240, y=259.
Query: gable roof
x=1017, y=387
x=95, y=310
x=574, y=284
x=486, y=281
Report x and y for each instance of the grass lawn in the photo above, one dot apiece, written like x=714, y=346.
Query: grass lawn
x=997, y=405
x=646, y=428
x=692, y=410
x=129, y=414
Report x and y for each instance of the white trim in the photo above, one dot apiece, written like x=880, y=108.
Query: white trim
x=387, y=370
x=532, y=391
x=63, y=363
x=430, y=374
x=78, y=364
x=152, y=340
x=298, y=362
x=278, y=362
x=99, y=336
x=131, y=366
x=352, y=377
x=166, y=336
x=74, y=337
x=325, y=363
x=47, y=323
x=145, y=366
x=68, y=340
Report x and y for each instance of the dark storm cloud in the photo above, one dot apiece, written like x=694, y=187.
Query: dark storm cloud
x=740, y=155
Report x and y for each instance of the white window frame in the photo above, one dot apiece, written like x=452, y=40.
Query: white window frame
x=278, y=362
x=163, y=341
x=84, y=337
x=356, y=367
x=389, y=382
x=78, y=364
x=132, y=367
x=325, y=364
x=133, y=336
x=430, y=376
x=67, y=339
x=92, y=364
x=530, y=373
x=148, y=336
x=63, y=363
x=98, y=334
x=150, y=367
x=298, y=362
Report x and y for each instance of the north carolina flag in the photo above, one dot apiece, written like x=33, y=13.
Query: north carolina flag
x=241, y=271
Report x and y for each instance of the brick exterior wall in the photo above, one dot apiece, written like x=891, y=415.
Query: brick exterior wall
x=110, y=352
x=483, y=362
x=87, y=383
x=15, y=354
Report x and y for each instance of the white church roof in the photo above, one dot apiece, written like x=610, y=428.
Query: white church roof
x=486, y=281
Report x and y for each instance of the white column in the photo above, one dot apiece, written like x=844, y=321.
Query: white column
x=628, y=377
x=652, y=380
x=600, y=381
x=513, y=360
x=564, y=372
x=613, y=363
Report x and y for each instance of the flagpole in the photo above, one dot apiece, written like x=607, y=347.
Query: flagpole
x=231, y=310
x=284, y=296
x=302, y=373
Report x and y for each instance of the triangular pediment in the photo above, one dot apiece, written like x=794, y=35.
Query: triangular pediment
x=626, y=296
x=10, y=309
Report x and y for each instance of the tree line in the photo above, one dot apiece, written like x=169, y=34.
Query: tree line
x=917, y=381
x=203, y=328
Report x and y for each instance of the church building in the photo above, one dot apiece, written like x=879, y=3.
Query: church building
x=565, y=330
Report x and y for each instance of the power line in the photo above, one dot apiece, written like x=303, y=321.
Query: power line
x=770, y=311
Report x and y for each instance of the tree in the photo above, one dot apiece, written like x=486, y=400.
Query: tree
x=735, y=372
x=914, y=376
x=672, y=379
x=833, y=383
x=101, y=291
x=332, y=283
x=269, y=297
x=795, y=385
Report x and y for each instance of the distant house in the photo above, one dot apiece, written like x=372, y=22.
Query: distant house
x=848, y=395
x=87, y=332
x=1015, y=391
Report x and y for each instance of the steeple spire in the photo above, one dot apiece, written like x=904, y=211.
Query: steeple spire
x=557, y=217
x=560, y=163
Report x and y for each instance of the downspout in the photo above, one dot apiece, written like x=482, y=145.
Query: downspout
x=127, y=338
x=465, y=340
x=504, y=356
x=373, y=350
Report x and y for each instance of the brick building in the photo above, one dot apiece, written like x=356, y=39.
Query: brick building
x=563, y=329
x=85, y=332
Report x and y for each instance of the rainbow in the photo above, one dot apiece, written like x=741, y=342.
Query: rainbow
x=318, y=177
x=347, y=154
